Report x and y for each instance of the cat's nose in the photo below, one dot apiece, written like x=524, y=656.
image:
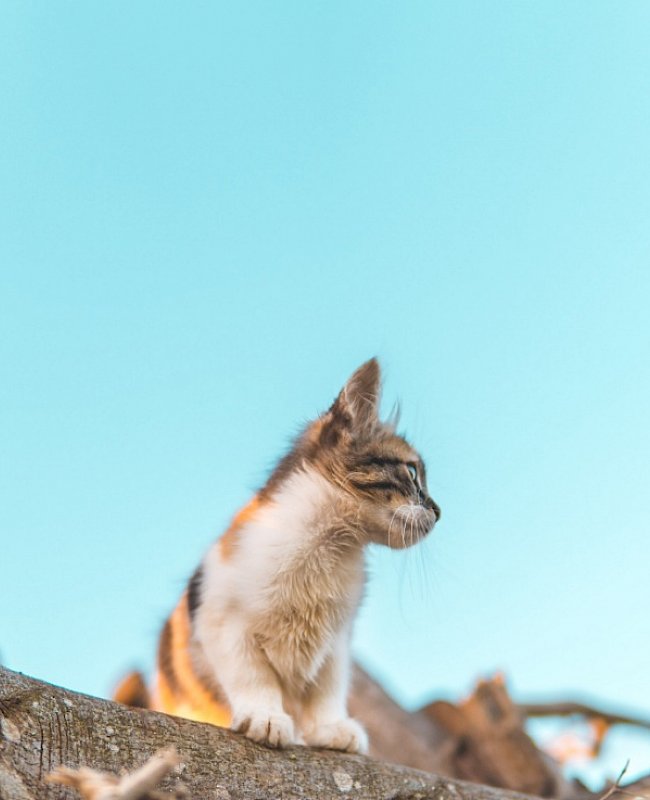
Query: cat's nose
x=433, y=506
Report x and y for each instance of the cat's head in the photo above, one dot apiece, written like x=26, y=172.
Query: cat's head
x=376, y=472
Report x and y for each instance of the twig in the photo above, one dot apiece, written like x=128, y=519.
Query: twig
x=94, y=785
x=615, y=787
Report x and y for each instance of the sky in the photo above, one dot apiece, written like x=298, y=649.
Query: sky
x=211, y=214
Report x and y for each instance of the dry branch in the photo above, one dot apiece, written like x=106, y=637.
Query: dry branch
x=569, y=708
x=137, y=785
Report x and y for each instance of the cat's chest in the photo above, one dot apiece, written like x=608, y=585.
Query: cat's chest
x=308, y=610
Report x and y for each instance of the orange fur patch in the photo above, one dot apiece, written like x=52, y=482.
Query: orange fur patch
x=229, y=538
x=191, y=700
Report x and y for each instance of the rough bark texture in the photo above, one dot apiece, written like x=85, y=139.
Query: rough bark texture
x=42, y=727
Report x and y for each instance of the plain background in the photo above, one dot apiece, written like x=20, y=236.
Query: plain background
x=212, y=213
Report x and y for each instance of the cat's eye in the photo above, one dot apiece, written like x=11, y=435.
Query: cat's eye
x=412, y=470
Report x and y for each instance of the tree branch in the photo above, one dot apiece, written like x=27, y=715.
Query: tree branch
x=569, y=708
x=43, y=727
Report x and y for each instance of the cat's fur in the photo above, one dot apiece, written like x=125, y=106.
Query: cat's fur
x=260, y=638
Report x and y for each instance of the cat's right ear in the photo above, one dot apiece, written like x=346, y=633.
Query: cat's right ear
x=355, y=412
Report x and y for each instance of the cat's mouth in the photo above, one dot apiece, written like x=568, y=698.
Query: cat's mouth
x=410, y=524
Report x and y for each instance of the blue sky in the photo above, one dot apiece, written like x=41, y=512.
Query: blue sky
x=212, y=213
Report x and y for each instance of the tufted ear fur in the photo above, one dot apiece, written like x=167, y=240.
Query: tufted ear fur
x=355, y=412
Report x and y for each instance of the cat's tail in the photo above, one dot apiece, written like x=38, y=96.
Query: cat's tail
x=132, y=691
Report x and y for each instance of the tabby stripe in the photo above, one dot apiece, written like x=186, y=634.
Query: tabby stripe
x=381, y=461
x=194, y=591
x=166, y=657
x=392, y=486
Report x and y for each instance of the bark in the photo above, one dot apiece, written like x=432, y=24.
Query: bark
x=43, y=727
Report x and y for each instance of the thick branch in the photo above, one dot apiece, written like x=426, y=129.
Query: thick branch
x=43, y=727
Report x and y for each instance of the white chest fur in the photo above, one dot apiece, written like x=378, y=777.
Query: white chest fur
x=293, y=582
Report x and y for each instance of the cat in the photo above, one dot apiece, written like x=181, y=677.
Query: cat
x=259, y=640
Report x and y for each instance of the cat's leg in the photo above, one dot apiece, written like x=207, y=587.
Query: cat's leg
x=251, y=686
x=324, y=719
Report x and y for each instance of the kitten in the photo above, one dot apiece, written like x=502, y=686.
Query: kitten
x=260, y=638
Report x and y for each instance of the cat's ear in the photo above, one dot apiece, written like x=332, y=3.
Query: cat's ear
x=356, y=410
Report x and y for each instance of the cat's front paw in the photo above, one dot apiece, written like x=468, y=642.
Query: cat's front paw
x=270, y=728
x=345, y=734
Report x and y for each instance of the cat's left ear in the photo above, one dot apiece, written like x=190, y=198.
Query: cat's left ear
x=356, y=410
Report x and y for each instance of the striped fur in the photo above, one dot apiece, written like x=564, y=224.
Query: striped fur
x=259, y=641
